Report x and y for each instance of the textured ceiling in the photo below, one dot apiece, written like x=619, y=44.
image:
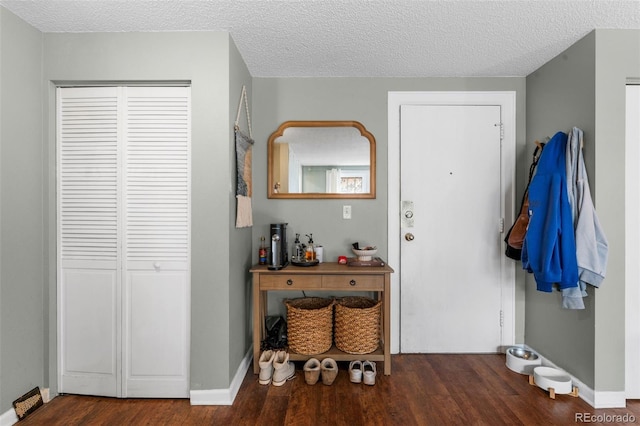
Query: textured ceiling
x=364, y=38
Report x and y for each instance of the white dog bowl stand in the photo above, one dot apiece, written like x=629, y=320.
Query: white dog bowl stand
x=554, y=381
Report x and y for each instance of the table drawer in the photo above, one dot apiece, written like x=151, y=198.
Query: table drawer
x=290, y=281
x=354, y=282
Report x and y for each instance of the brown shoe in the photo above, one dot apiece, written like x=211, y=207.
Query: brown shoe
x=329, y=369
x=311, y=371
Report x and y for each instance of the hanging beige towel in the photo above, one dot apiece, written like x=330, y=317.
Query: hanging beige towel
x=244, y=217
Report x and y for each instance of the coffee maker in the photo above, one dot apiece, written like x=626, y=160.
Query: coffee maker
x=279, y=254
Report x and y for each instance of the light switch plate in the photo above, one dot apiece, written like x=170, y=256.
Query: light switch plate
x=346, y=212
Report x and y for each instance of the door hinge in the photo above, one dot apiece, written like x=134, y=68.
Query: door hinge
x=501, y=318
x=501, y=225
x=501, y=130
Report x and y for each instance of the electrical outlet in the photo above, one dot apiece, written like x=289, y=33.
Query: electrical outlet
x=346, y=212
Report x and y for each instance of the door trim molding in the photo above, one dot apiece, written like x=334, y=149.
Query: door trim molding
x=632, y=231
x=507, y=102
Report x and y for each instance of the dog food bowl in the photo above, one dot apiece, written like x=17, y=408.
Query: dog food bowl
x=552, y=378
x=521, y=360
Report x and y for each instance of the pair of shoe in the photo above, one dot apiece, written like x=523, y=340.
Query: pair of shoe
x=275, y=368
x=362, y=372
x=313, y=369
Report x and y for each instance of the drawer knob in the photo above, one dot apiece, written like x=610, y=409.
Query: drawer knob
x=289, y=281
x=352, y=282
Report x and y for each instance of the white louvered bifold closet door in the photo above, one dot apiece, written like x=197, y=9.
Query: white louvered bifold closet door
x=123, y=240
x=156, y=184
x=88, y=255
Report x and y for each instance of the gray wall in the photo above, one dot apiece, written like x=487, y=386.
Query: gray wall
x=560, y=95
x=240, y=243
x=203, y=59
x=276, y=100
x=585, y=87
x=21, y=180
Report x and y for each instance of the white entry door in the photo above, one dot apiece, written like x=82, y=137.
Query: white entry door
x=123, y=240
x=451, y=248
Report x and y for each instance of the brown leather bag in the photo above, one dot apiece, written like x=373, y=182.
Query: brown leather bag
x=515, y=235
x=519, y=228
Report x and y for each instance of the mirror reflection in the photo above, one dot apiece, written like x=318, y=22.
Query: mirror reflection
x=321, y=159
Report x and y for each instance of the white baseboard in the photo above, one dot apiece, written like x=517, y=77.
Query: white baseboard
x=609, y=400
x=8, y=418
x=597, y=399
x=223, y=396
x=197, y=397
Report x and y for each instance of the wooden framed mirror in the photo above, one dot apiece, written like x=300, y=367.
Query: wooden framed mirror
x=321, y=159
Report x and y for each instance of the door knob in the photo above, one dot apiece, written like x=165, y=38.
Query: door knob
x=409, y=236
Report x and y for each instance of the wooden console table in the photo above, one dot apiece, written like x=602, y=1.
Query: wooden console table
x=331, y=277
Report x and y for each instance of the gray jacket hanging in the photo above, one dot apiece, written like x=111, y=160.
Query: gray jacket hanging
x=592, y=247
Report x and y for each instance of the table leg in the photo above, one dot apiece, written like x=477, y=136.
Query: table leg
x=386, y=321
x=257, y=326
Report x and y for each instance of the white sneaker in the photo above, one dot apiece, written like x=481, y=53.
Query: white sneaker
x=266, y=367
x=283, y=369
x=355, y=371
x=369, y=373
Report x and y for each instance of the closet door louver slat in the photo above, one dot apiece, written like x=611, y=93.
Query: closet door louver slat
x=88, y=181
x=157, y=178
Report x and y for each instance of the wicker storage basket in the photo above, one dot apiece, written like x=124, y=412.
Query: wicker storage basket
x=357, y=324
x=309, y=325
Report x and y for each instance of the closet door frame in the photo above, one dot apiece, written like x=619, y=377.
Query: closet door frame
x=118, y=272
x=632, y=247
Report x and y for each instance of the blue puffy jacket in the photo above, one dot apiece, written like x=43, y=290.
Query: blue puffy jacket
x=549, y=249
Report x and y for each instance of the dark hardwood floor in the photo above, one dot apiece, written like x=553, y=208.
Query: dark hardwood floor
x=422, y=390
